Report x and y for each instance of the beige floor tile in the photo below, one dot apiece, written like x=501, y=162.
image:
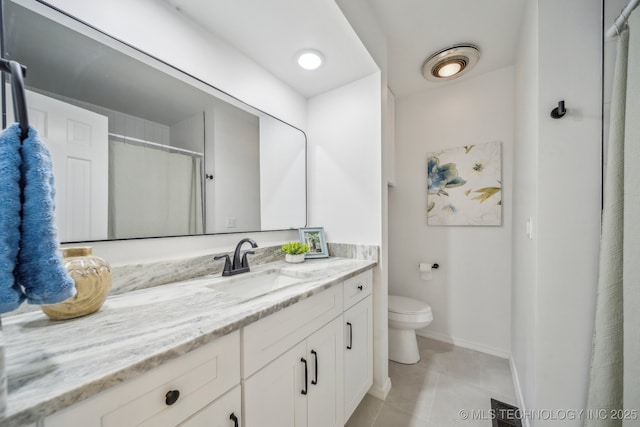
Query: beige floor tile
x=432, y=392
x=366, y=413
x=413, y=389
x=391, y=416
x=454, y=361
x=455, y=396
x=495, y=375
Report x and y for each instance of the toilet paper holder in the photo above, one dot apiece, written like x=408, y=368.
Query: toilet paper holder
x=434, y=266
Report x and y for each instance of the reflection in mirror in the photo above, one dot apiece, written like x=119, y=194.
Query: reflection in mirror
x=141, y=149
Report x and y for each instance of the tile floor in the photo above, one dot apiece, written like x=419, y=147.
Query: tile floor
x=431, y=393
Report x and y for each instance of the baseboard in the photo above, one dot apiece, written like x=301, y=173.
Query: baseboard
x=464, y=343
x=519, y=395
x=381, y=392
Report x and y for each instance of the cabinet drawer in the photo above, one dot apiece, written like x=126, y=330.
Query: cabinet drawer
x=357, y=288
x=219, y=413
x=200, y=376
x=270, y=337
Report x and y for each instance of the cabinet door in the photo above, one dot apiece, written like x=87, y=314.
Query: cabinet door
x=324, y=401
x=223, y=412
x=274, y=396
x=358, y=354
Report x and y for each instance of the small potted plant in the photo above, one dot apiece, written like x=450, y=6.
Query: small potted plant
x=294, y=251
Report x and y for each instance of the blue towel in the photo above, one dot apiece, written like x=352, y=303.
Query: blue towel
x=11, y=295
x=40, y=269
x=30, y=264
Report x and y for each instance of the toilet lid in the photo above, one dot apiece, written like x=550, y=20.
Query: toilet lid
x=403, y=305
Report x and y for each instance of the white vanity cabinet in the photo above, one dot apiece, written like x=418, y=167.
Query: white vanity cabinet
x=167, y=395
x=302, y=387
x=292, y=365
x=307, y=365
x=358, y=341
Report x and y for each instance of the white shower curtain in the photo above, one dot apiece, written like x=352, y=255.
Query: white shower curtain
x=615, y=366
x=153, y=192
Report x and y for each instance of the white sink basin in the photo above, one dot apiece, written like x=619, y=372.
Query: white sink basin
x=252, y=285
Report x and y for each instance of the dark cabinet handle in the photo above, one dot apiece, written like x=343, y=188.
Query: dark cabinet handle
x=315, y=355
x=171, y=397
x=350, y=336
x=306, y=378
x=233, y=418
x=360, y=287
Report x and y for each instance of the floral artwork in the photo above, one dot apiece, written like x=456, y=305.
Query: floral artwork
x=464, y=185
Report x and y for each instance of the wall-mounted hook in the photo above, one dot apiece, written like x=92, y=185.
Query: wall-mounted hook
x=559, y=111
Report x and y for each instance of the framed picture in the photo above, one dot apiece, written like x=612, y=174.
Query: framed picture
x=464, y=185
x=317, y=241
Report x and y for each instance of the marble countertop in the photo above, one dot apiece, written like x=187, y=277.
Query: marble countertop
x=52, y=364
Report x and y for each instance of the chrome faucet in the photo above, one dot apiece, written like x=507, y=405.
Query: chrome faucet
x=239, y=265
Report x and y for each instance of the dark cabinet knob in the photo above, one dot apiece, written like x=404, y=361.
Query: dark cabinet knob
x=233, y=418
x=360, y=287
x=172, y=397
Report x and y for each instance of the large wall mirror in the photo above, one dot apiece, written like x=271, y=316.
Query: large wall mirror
x=141, y=149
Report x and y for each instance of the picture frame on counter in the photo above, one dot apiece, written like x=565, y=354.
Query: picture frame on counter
x=316, y=238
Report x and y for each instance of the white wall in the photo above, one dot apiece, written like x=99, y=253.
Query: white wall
x=157, y=28
x=470, y=293
x=525, y=184
x=344, y=162
x=555, y=275
x=568, y=199
x=345, y=181
x=189, y=133
x=364, y=22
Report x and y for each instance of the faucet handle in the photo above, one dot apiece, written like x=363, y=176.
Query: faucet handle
x=226, y=271
x=245, y=261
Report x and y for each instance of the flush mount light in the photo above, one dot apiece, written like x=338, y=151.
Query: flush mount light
x=310, y=59
x=450, y=63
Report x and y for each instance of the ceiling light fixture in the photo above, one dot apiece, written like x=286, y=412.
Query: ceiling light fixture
x=310, y=59
x=451, y=62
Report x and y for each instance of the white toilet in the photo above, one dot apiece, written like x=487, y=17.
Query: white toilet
x=405, y=316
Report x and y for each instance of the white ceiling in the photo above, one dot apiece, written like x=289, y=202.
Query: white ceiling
x=272, y=31
x=418, y=28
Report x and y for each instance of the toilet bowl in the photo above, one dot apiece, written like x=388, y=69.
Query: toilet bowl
x=405, y=316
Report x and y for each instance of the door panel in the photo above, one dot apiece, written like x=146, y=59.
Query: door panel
x=272, y=396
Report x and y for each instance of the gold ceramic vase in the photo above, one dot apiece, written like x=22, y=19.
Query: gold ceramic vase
x=92, y=276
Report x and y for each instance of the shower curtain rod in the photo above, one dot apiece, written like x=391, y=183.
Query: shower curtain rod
x=155, y=145
x=621, y=20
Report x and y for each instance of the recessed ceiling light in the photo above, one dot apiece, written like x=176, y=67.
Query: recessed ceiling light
x=310, y=59
x=450, y=63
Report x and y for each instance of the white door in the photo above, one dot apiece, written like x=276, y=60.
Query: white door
x=358, y=354
x=276, y=395
x=324, y=402
x=78, y=141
